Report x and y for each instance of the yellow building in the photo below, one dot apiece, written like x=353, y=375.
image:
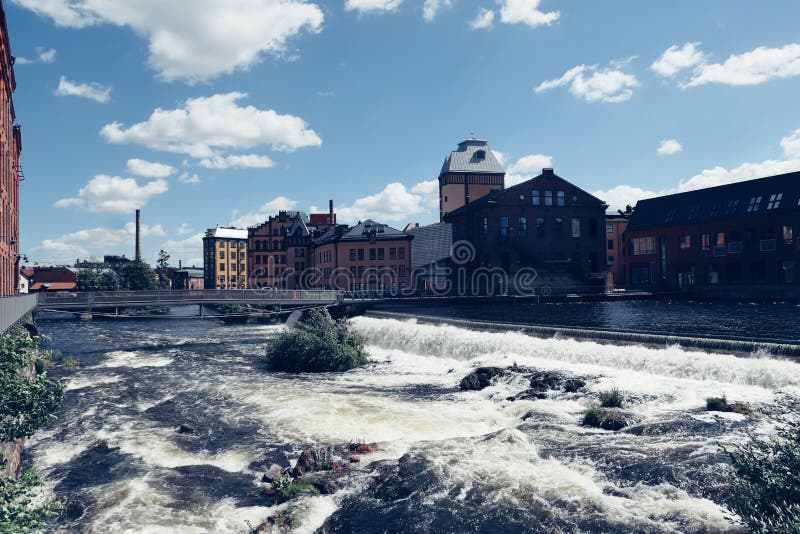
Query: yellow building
x=225, y=258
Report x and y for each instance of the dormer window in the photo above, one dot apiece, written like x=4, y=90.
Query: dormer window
x=480, y=155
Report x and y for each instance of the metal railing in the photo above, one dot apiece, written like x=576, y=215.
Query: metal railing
x=12, y=309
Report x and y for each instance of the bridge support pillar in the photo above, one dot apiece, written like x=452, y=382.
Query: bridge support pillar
x=201, y=310
x=87, y=316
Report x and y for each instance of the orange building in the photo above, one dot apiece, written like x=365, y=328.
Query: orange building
x=10, y=172
x=468, y=174
x=615, y=248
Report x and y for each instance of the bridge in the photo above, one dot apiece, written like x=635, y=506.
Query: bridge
x=90, y=301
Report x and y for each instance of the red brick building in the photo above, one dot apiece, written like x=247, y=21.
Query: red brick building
x=615, y=248
x=467, y=174
x=739, y=239
x=367, y=256
x=545, y=223
x=10, y=172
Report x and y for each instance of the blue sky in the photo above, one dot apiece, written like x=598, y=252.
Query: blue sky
x=228, y=110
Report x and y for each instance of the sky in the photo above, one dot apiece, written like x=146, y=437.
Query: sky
x=224, y=111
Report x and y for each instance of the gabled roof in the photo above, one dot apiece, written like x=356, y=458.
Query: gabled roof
x=362, y=231
x=740, y=199
x=473, y=156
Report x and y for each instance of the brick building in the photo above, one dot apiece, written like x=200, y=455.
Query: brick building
x=225, y=258
x=188, y=278
x=467, y=174
x=615, y=248
x=733, y=240
x=545, y=223
x=367, y=256
x=10, y=171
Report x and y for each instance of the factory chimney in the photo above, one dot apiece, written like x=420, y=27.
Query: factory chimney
x=331, y=216
x=138, y=235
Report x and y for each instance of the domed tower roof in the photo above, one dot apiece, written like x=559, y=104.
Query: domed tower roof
x=473, y=156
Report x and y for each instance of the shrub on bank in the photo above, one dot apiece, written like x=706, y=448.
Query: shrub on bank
x=720, y=404
x=318, y=344
x=765, y=487
x=612, y=398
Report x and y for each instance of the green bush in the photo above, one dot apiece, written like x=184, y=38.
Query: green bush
x=18, y=511
x=592, y=416
x=287, y=489
x=318, y=344
x=765, y=486
x=611, y=399
x=717, y=404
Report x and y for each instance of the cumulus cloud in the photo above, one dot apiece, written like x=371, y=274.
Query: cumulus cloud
x=595, y=84
x=149, y=169
x=527, y=167
x=428, y=191
x=92, y=241
x=483, y=20
x=186, y=178
x=621, y=196
x=431, y=7
x=43, y=55
x=751, y=68
x=184, y=229
x=114, y=194
x=188, y=250
x=525, y=12
x=372, y=6
x=393, y=204
x=258, y=216
x=92, y=91
x=243, y=161
x=205, y=126
x=198, y=43
x=668, y=147
x=676, y=59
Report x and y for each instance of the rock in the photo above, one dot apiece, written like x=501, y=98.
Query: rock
x=530, y=394
x=267, y=489
x=274, y=472
x=363, y=448
x=354, y=459
x=480, y=378
x=307, y=463
x=326, y=486
x=185, y=429
x=572, y=385
x=546, y=380
x=608, y=418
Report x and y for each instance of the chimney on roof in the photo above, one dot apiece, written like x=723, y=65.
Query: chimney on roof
x=138, y=235
x=331, y=216
x=547, y=171
x=180, y=264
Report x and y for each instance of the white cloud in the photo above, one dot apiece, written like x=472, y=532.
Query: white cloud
x=149, y=169
x=189, y=250
x=527, y=167
x=750, y=68
x=483, y=20
x=112, y=193
x=92, y=91
x=675, y=59
x=621, y=196
x=243, y=220
x=184, y=229
x=43, y=55
x=593, y=84
x=186, y=178
x=431, y=7
x=92, y=241
x=206, y=125
x=326, y=93
x=250, y=161
x=394, y=204
x=428, y=191
x=195, y=41
x=525, y=12
x=791, y=144
x=668, y=147
x=372, y=6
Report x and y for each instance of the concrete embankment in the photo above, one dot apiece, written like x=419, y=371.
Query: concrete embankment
x=698, y=342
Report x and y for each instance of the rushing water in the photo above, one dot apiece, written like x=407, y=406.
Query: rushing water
x=449, y=461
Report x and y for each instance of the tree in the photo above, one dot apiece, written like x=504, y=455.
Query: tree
x=87, y=280
x=162, y=269
x=137, y=276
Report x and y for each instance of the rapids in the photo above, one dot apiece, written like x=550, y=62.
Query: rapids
x=449, y=461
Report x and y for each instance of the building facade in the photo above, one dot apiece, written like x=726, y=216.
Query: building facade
x=367, y=256
x=468, y=174
x=615, y=249
x=188, y=278
x=225, y=258
x=545, y=223
x=430, y=250
x=10, y=170
x=733, y=240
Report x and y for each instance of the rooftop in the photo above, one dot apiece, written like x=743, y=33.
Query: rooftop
x=222, y=232
x=473, y=155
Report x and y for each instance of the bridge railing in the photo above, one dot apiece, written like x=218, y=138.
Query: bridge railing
x=12, y=309
x=176, y=297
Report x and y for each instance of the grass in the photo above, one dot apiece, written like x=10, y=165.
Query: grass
x=612, y=398
x=287, y=489
x=717, y=404
x=592, y=416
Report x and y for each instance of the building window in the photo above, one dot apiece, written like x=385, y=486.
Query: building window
x=775, y=201
x=540, y=230
x=705, y=241
x=392, y=253
x=258, y=245
x=685, y=242
x=755, y=203
x=609, y=228
x=352, y=254
x=485, y=226
x=402, y=271
x=712, y=275
x=788, y=235
x=523, y=227
x=536, y=198
x=643, y=246
x=558, y=224
x=576, y=228
x=611, y=261
x=610, y=244
x=504, y=226
x=560, y=198
x=221, y=267
x=381, y=254
x=787, y=272
x=372, y=254
x=767, y=245
x=401, y=253
x=548, y=198
x=361, y=254
x=221, y=255
x=720, y=239
x=480, y=155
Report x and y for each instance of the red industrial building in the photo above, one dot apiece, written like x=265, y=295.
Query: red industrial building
x=10, y=171
x=736, y=240
x=615, y=248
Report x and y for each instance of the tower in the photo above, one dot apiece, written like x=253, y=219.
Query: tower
x=138, y=255
x=467, y=174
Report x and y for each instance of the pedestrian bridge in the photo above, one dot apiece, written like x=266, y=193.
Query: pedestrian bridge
x=93, y=300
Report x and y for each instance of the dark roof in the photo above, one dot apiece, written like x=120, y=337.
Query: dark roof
x=771, y=195
x=364, y=230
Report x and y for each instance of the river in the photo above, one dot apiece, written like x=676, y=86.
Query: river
x=449, y=461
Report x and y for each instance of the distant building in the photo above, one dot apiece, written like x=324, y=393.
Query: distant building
x=225, y=258
x=430, y=249
x=24, y=282
x=615, y=248
x=545, y=223
x=10, y=170
x=369, y=255
x=53, y=279
x=735, y=240
x=188, y=278
x=468, y=174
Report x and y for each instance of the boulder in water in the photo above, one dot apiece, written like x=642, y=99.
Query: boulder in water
x=480, y=378
x=607, y=418
x=546, y=380
x=185, y=429
x=530, y=394
x=573, y=385
x=306, y=463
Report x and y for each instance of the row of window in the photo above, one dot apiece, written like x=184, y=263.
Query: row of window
x=378, y=254
x=263, y=260
x=771, y=202
x=232, y=267
x=536, y=198
x=232, y=255
x=556, y=227
x=721, y=243
x=266, y=244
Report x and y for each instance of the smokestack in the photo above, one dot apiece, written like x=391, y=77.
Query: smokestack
x=331, y=219
x=138, y=235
